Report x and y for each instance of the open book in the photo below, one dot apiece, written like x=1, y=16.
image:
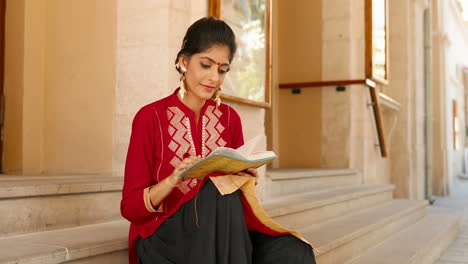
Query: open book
x=227, y=160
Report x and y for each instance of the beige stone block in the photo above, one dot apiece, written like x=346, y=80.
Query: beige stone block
x=182, y=5
x=309, y=181
x=398, y=8
x=398, y=89
x=35, y=204
x=336, y=8
x=143, y=74
x=55, y=212
x=179, y=21
x=129, y=5
x=336, y=127
x=336, y=29
x=63, y=245
x=335, y=52
x=118, y=257
x=278, y=188
x=357, y=60
x=12, y=186
x=199, y=9
x=143, y=27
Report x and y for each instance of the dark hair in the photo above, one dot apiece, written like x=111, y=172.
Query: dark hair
x=205, y=33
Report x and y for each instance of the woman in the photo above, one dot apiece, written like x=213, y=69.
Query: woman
x=193, y=221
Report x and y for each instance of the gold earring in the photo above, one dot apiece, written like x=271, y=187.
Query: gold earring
x=218, y=96
x=182, y=90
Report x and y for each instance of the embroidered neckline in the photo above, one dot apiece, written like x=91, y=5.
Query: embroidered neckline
x=193, y=151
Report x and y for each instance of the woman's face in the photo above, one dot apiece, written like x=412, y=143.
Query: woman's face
x=206, y=71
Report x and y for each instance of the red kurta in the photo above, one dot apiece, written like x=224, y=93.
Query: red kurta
x=163, y=133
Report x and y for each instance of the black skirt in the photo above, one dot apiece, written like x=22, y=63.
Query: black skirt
x=211, y=229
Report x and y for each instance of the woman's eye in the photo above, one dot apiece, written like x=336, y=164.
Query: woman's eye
x=223, y=70
x=205, y=66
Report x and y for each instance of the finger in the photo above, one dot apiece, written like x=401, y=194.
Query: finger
x=252, y=170
x=192, y=159
x=255, y=172
x=184, y=164
x=195, y=158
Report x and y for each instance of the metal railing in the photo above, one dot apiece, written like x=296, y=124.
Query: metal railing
x=373, y=95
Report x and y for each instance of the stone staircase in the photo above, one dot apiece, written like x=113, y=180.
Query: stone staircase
x=349, y=222
x=62, y=219
x=76, y=219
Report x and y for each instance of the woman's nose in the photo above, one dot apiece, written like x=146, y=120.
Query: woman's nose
x=214, y=76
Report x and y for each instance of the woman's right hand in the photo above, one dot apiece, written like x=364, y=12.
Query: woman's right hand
x=174, y=178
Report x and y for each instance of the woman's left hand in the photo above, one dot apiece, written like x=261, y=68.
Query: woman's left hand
x=249, y=172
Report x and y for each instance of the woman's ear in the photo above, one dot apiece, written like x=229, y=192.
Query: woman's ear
x=183, y=62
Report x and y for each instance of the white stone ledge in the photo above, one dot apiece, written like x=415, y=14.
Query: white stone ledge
x=29, y=186
x=63, y=245
x=297, y=203
x=287, y=174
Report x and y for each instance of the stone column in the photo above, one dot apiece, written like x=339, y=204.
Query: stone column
x=337, y=64
x=440, y=155
x=401, y=89
x=348, y=130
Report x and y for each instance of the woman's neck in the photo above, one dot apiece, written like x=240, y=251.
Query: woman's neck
x=194, y=103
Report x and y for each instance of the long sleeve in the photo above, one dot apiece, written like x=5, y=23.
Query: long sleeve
x=139, y=167
x=235, y=124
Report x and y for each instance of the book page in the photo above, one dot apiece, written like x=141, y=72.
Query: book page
x=262, y=155
x=228, y=151
x=248, y=147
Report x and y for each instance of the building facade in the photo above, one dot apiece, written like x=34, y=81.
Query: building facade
x=76, y=72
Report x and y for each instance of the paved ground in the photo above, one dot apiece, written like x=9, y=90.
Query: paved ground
x=457, y=252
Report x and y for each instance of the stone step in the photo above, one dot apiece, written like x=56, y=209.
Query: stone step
x=305, y=210
x=421, y=243
x=293, y=181
x=40, y=203
x=343, y=238
x=99, y=243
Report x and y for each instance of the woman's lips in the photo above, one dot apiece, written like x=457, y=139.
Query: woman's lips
x=209, y=88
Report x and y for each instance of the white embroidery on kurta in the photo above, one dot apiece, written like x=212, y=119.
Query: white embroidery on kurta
x=213, y=130
x=181, y=142
x=179, y=129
